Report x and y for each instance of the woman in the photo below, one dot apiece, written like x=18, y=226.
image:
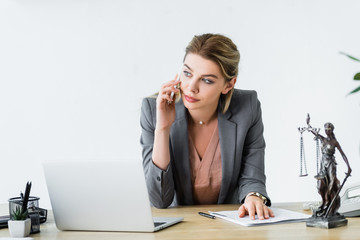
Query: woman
x=208, y=147
x=328, y=184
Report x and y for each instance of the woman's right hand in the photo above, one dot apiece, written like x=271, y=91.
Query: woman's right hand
x=165, y=106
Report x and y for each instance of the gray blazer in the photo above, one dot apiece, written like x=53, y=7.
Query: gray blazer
x=242, y=148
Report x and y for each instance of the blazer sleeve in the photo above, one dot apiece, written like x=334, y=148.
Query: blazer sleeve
x=160, y=184
x=252, y=176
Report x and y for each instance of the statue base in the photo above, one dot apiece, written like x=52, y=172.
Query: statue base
x=329, y=222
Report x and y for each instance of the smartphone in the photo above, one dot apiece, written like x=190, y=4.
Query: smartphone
x=173, y=93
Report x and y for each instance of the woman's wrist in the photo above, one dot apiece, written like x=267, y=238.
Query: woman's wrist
x=161, y=154
x=256, y=194
x=162, y=130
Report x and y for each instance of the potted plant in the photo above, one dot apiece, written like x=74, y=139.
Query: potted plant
x=19, y=225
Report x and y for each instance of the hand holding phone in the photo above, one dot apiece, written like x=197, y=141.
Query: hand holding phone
x=177, y=86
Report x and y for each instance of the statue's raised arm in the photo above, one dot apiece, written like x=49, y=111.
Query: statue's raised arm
x=315, y=131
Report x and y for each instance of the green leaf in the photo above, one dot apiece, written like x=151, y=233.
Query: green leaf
x=355, y=90
x=351, y=57
x=18, y=214
x=357, y=76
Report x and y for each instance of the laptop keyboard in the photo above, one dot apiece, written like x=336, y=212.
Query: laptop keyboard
x=156, y=224
x=4, y=221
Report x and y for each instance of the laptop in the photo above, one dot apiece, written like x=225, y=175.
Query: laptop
x=101, y=196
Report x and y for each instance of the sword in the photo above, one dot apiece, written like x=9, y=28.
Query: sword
x=337, y=194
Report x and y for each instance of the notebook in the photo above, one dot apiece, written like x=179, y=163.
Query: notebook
x=101, y=196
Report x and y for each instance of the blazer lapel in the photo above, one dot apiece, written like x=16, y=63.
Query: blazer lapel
x=227, y=135
x=180, y=149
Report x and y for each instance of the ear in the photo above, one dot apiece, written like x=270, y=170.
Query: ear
x=229, y=85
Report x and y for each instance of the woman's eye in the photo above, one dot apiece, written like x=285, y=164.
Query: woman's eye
x=207, y=81
x=187, y=74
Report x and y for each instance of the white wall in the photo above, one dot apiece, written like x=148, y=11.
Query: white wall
x=72, y=75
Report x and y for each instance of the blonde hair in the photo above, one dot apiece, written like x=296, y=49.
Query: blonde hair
x=223, y=52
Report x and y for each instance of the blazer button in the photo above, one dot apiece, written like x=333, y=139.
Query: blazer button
x=158, y=178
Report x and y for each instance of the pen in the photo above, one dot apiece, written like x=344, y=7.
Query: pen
x=207, y=215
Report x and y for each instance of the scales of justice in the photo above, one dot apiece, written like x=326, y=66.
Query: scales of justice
x=328, y=185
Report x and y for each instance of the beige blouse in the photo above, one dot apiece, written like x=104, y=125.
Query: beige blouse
x=206, y=173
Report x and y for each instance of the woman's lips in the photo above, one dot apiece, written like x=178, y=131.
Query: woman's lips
x=190, y=99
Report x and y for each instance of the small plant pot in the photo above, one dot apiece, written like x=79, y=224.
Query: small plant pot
x=32, y=208
x=19, y=228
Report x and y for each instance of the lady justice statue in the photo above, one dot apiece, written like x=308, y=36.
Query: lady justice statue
x=328, y=185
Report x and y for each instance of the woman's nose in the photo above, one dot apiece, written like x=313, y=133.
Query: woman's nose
x=193, y=85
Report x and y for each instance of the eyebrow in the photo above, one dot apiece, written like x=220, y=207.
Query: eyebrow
x=205, y=75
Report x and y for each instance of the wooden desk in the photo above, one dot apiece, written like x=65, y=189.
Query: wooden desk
x=195, y=226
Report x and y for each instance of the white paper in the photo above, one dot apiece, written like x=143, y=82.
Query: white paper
x=281, y=216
